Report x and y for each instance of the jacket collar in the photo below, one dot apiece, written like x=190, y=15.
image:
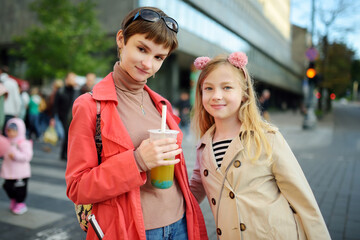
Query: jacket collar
x=234, y=148
x=105, y=91
x=206, y=139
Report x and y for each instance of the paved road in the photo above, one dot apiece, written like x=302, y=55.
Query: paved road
x=329, y=156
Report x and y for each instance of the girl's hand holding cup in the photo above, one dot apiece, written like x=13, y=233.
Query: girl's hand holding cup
x=154, y=152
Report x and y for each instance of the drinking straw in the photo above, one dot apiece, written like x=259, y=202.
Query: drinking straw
x=163, y=118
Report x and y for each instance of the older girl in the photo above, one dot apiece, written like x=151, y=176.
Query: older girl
x=254, y=184
x=125, y=203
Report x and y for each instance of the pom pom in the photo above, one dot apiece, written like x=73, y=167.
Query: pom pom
x=201, y=62
x=238, y=59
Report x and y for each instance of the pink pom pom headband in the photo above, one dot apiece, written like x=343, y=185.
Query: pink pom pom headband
x=238, y=59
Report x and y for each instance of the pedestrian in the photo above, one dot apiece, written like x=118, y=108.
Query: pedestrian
x=64, y=100
x=34, y=114
x=3, y=96
x=254, y=184
x=264, y=101
x=89, y=84
x=12, y=107
x=125, y=203
x=15, y=167
x=57, y=84
x=184, y=109
x=25, y=99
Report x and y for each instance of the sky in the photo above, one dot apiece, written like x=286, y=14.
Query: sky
x=300, y=15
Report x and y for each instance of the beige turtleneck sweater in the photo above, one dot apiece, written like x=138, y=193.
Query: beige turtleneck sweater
x=161, y=207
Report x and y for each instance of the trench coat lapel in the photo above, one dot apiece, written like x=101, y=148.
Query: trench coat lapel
x=171, y=120
x=208, y=152
x=233, y=150
x=112, y=126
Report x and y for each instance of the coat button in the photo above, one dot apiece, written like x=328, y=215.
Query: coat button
x=232, y=195
x=242, y=227
x=237, y=163
x=213, y=201
x=218, y=231
x=206, y=172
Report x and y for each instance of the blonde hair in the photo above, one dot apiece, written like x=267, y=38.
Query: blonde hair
x=255, y=127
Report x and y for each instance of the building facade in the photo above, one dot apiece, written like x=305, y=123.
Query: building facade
x=260, y=28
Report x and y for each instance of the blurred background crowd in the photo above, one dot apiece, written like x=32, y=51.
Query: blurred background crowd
x=303, y=64
x=42, y=108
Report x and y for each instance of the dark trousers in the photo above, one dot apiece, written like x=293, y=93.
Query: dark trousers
x=64, y=146
x=16, y=189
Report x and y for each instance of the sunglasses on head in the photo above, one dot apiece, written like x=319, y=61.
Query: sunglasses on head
x=152, y=16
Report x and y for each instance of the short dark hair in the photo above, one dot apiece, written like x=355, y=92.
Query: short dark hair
x=159, y=33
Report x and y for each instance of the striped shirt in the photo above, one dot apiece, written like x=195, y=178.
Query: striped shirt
x=219, y=149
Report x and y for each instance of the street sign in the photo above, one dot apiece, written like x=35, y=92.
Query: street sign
x=312, y=54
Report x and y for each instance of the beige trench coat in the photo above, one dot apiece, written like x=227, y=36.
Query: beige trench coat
x=258, y=200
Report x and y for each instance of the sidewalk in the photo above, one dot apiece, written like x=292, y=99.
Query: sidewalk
x=290, y=125
x=51, y=214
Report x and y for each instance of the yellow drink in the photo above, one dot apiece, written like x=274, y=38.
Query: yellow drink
x=162, y=177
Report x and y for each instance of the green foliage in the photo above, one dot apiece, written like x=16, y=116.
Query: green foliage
x=355, y=70
x=68, y=38
x=336, y=68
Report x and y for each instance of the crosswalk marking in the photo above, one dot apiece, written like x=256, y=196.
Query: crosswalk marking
x=32, y=219
x=47, y=172
x=47, y=190
x=35, y=217
x=43, y=188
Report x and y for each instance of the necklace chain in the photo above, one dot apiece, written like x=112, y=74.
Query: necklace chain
x=134, y=101
x=142, y=103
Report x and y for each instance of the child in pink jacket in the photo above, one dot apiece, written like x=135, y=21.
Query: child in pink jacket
x=15, y=168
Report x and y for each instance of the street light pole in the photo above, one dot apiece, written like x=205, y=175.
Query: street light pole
x=310, y=119
x=312, y=21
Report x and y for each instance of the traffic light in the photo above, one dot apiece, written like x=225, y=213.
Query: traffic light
x=332, y=96
x=311, y=72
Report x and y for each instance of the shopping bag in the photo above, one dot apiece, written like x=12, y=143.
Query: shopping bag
x=50, y=135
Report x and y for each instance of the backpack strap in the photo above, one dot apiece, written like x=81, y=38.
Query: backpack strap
x=98, y=140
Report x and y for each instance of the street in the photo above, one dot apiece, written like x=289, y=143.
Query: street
x=328, y=154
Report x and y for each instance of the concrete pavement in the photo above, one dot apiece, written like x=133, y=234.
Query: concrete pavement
x=334, y=179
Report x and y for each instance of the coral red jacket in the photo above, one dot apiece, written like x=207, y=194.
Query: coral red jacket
x=114, y=185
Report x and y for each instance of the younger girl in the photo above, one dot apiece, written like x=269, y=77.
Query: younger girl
x=254, y=184
x=15, y=168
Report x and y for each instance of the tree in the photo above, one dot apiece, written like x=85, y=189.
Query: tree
x=355, y=70
x=355, y=77
x=68, y=38
x=330, y=17
x=338, y=69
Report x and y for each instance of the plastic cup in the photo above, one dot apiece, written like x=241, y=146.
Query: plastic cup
x=162, y=177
